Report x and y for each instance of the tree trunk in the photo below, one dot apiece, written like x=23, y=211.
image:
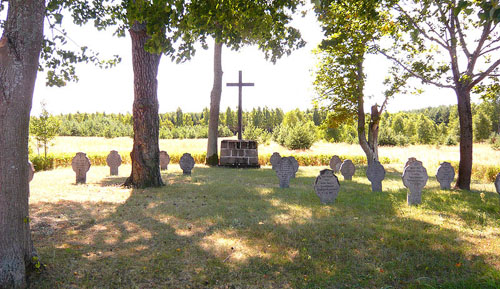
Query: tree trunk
x=145, y=154
x=370, y=148
x=20, y=47
x=213, y=122
x=465, y=119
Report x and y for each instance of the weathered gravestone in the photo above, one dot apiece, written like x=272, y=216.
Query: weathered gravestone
x=335, y=163
x=445, y=175
x=186, y=163
x=164, y=160
x=81, y=165
x=327, y=186
x=376, y=174
x=410, y=160
x=347, y=169
x=114, y=160
x=295, y=164
x=31, y=171
x=275, y=159
x=285, y=170
x=415, y=178
x=497, y=183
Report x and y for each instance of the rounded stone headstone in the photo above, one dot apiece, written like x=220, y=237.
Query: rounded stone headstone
x=497, y=183
x=81, y=165
x=415, y=178
x=445, y=175
x=295, y=164
x=410, y=160
x=186, y=163
x=376, y=174
x=275, y=159
x=335, y=163
x=327, y=186
x=31, y=171
x=347, y=169
x=164, y=160
x=285, y=171
x=114, y=160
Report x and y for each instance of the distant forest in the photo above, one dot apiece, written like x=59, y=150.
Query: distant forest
x=433, y=125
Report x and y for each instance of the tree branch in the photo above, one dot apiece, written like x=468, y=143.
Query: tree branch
x=462, y=38
x=477, y=51
x=484, y=74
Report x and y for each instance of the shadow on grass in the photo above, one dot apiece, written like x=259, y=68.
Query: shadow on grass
x=235, y=228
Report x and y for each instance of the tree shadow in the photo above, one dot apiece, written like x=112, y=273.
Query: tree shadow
x=235, y=228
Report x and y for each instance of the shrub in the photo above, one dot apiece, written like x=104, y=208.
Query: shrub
x=254, y=133
x=301, y=136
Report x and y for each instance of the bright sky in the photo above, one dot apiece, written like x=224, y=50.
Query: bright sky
x=287, y=85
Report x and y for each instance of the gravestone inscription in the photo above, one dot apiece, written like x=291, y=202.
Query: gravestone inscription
x=81, y=165
x=275, y=159
x=114, y=160
x=295, y=164
x=335, y=163
x=285, y=171
x=164, y=160
x=327, y=186
x=347, y=169
x=376, y=174
x=497, y=183
x=31, y=171
x=445, y=175
x=186, y=163
x=415, y=178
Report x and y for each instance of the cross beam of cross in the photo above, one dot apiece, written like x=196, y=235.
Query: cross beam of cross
x=240, y=85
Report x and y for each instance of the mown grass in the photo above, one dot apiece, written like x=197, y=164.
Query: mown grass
x=235, y=228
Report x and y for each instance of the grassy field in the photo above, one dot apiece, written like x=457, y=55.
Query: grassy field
x=234, y=228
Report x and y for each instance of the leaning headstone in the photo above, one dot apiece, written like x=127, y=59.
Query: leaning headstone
x=81, y=165
x=415, y=178
x=327, y=186
x=285, y=171
x=114, y=160
x=347, y=169
x=410, y=160
x=187, y=163
x=376, y=174
x=497, y=183
x=31, y=171
x=164, y=160
x=275, y=159
x=295, y=164
x=445, y=175
x=335, y=163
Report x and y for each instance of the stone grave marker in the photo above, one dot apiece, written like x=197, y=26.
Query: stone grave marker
x=335, y=163
x=275, y=159
x=31, y=171
x=415, y=178
x=376, y=174
x=164, y=160
x=186, y=163
x=114, y=160
x=445, y=175
x=285, y=171
x=295, y=164
x=497, y=183
x=81, y=165
x=327, y=186
x=347, y=169
x=410, y=160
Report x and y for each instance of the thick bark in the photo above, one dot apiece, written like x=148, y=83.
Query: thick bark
x=465, y=119
x=20, y=47
x=213, y=122
x=145, y=154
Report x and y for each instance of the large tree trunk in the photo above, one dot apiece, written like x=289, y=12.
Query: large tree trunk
x=465, y=119
x=213, y=122
x=370, y=147
x=145, y=154
x=20, y=47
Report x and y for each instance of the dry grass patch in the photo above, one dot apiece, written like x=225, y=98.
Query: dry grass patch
x=234, y=228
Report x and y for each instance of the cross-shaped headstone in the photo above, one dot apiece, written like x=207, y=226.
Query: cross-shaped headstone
x=240, y=85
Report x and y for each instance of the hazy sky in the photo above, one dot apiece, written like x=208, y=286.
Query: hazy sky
x=287, y=85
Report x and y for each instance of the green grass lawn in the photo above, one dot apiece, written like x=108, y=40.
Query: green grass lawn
x=235, y=228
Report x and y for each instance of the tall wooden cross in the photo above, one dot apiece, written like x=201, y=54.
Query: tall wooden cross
x=240, y=85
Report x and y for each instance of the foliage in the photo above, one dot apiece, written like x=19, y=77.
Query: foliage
x=302, y=135
x=254, y=133
x=44, y=128
x=482, y=127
